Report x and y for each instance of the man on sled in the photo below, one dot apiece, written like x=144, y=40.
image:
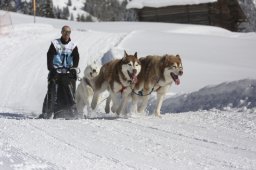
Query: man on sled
x=62, y=63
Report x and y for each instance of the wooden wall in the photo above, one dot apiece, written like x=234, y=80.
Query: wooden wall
x=224, y=13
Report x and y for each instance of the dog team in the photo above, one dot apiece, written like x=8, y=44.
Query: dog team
x=130, y=77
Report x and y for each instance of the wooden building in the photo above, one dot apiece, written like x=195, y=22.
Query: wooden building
x=223, y=13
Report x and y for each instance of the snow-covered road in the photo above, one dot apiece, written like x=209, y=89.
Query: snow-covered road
x=177, y=141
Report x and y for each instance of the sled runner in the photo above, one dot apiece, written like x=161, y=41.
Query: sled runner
x=59, y=101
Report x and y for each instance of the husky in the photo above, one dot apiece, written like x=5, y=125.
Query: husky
x=84, y=90
x=118, y=77
x=157, y=74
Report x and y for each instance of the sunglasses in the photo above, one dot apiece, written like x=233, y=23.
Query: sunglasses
x=66, y=32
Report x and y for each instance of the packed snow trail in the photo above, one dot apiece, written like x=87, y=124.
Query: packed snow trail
x=178, y=141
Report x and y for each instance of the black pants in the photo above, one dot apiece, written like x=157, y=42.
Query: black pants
x=59, y=101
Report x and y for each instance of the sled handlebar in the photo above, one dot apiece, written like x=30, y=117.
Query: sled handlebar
x=67, y=70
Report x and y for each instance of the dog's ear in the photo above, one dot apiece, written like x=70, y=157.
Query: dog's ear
x=125, y=54
x=135, y=55
x=178, y=56
x=162, y=61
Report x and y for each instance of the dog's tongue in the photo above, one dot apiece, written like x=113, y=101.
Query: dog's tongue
x=177, y=81
x=134, y=78
x=175, y=78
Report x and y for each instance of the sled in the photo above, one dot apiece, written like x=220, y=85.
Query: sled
x=59, y=101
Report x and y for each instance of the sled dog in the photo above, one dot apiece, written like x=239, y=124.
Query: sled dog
x=118, y=77
x=84, y=90
x=157, y=74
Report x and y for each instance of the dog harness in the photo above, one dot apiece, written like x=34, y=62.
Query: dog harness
x=141, y=92
x=125, y=87
x=87, y=81
x=122, y=89
x=63, y=58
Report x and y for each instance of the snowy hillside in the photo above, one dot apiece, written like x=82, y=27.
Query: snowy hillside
x=219, y=70
x=75, y=8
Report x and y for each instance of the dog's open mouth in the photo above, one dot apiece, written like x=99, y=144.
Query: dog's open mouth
x=92, y=74
x=133, y=77
x=175, y=78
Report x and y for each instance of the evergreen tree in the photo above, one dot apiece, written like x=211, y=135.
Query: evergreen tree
x=72, y=17
x=65, y=12
x=88, y=18
x=26, y=7
x=8, y=5
x=18, y=5
x=82, y=18
x=57, y=12
x=46, y=8
x=109, y=10
x=78, y=18
x=69, y=3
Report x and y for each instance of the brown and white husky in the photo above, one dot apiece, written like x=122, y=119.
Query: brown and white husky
x=157, y=74
x=118, y=77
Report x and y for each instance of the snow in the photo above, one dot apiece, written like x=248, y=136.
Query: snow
x=162, y=3
x=237, y=94
x=219, y=70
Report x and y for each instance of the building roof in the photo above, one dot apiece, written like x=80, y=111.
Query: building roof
x=162, y=3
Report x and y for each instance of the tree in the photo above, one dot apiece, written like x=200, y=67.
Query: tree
x=47, y=9
x=8, y=5
x=65, y=12
x=69, y=3
x=18, y=5
x=26, y=7
x=78, y=17
x=72, y=17
x=88, y=18
x=57, y=12
x=109, y=10
x=82, y=18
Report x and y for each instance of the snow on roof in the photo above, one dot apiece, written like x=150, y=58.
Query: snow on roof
x=161, y=3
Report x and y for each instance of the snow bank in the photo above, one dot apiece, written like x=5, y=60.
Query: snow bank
x=229, y=95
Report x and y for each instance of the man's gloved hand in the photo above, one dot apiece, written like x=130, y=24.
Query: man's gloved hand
x=73, y=73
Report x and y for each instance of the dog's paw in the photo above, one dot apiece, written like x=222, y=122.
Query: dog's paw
x=113, y=109
x=123, y=116
x=93, y=105
x=158, y=115
x=142, y=109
